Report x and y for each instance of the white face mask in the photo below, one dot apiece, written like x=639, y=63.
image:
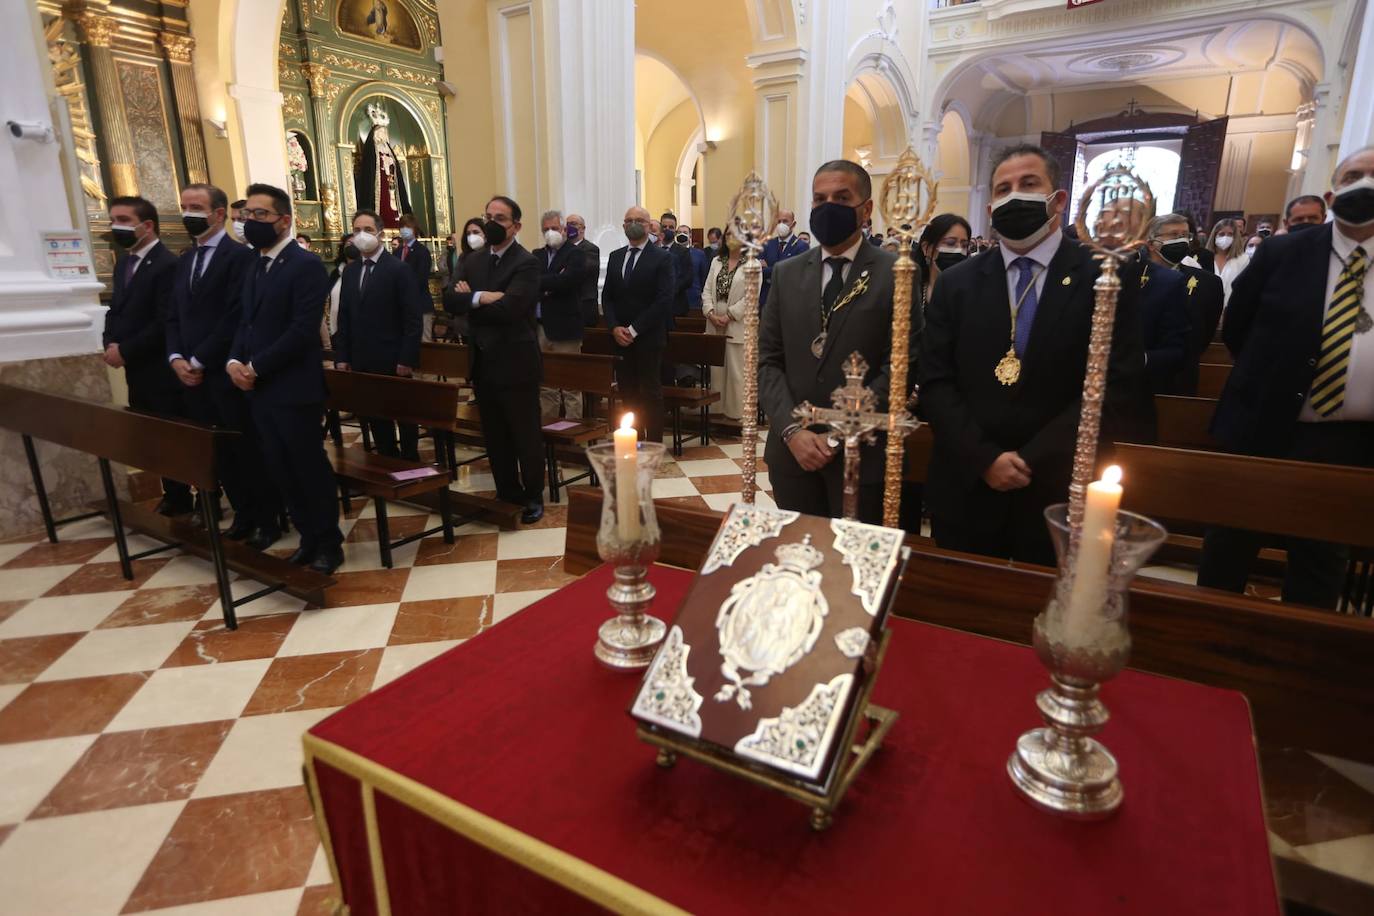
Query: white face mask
x=783, y=230
x=366, y=242
x=1223, y=242
x=553, y=238
x=1250, y=251
x=238, y=228
x=407, y=233
x=476, y=240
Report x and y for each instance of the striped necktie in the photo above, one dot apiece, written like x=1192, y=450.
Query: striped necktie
x=1338, y=333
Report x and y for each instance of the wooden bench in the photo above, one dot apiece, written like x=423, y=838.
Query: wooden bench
x=704, y=351
x=404, y=400
x=445, y=360
x=689, y=324
x=1218, y=354
x=176, y=449
x=1211, y=379
x=1184, y=422
x=590, y=374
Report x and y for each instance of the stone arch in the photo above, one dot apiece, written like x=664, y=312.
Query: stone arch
x=252, y=28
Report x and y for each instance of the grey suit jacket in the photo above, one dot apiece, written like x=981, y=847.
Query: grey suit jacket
x=791, y=319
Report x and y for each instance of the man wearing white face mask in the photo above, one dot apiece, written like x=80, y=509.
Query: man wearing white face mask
x=559, y=311
x=413, y=252
x=1302, y=387
x=783, y=245
x=1001, y=368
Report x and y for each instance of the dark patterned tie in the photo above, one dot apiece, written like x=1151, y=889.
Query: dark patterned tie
x=833, y=288
x=367, y=275
x=630, y=262
x=129, y=269
x=198, y=269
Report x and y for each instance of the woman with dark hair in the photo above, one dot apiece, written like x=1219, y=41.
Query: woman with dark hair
x=944, y=242
x=472, y=237
x=347, y=254
x=455, y=327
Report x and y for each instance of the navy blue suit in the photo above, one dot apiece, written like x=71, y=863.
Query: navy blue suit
x=379, y=329
x=1164, y=320
x=201, y=325
x=778, y=250
x=137, y=322
x=701, y=267
x=643, y=301
x=279, y=337
x=421, y=264
x=560, y=291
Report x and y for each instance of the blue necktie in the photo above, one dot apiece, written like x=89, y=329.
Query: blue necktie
x=1025, y=294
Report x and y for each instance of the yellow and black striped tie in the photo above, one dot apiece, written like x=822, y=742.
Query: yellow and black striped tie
x=1338, y=333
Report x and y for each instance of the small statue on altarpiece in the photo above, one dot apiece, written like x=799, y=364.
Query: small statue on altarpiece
x=379, y=172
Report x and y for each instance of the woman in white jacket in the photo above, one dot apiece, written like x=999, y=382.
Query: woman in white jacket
x=722, y=302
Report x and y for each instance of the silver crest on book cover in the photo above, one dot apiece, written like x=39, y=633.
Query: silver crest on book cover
x=747, y=526
x=872, y=552
x=668, y=696
x=793, y=741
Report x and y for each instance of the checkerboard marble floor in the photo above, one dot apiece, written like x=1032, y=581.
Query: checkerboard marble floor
x=150, y=759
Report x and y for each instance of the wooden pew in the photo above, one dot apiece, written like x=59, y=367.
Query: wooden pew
x=1217, y=353
x=592, y=375
x=1211, y=379
x=688, y=324
x=166, y=448
x=446, y=360
x=703, y=351
x=1183, y=422
x=1305, y=672
x=405, y=400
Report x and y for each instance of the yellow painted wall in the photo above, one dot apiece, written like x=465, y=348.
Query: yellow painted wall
x=858, y=129
x=471, y=126
x=211, y=23
x=1270, y=157
x=661, y=155
x=953, y=165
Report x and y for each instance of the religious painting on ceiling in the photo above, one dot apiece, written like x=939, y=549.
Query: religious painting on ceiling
x=385, y=21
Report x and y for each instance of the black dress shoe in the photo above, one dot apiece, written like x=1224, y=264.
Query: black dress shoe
x=303, y=555
x=263, y=538
x=533, y=513
x=327, y=559
x=170, y=507
x=242, y=527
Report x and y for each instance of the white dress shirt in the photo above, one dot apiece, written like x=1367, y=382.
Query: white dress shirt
x=1042, y=254
x=1359, y=373
x=1228, y=273
x=848, y=254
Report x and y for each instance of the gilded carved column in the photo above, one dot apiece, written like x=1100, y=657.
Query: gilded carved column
x=98, y=31
x=317, y=78
x=178, y=50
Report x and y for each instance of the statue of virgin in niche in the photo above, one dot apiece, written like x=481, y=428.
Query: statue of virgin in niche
x=379, y=172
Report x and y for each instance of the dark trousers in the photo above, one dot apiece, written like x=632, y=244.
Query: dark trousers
x=1023, y=536
x=641, y=387
x=514, y=440
x=383, y=432
x=166, y=401
x=1315, y=573
x=294, y=453
x=822, y=493
x=242, y=471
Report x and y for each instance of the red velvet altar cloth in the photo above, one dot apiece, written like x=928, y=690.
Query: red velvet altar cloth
x=523, y=726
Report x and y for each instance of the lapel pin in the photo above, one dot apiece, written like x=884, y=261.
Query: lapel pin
x=1066, y=281
x=864, y=274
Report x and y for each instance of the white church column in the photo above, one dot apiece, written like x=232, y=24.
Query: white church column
x=254, y=91
x=1321, y=155
x=980, y=150
x=1359, y=107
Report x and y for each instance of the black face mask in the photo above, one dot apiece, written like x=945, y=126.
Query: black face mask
x=494, y=231
x=123, y=236
x=260, y=235
x=832, y=223
x=947, y=259
x=1355, y=205
x=1175, y=251
x=195, y=225
x=1264, y=233
x=1019, y=219
x=1302, y=227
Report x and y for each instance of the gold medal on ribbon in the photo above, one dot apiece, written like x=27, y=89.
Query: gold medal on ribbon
x=1008, y=369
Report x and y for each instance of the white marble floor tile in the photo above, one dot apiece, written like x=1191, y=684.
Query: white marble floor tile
x=137, y=544
x=341, y=629
x=196, y=693
x=272, y=603
x=709, y=467
x=665, y=487
x=508, y=603
x=8, y=692
x=1362, y=774
x=98, y=527
x=1352, y=856
x=531, y=542
x=260, y=752
x=10, y=551
x=476, y=528
x=65, y=614
x=29, y=770
x=272, y=903
x=119, y=650
x=83, y=863
x=184, y=570
x=723, y=501
x=391, y=509
x=319, y=870
x=451, y=580
x=475, y=482
x=32, y=581
x=399, y=660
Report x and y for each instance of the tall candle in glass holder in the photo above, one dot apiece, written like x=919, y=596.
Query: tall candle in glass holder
x=1091, y=570
x=626, y=487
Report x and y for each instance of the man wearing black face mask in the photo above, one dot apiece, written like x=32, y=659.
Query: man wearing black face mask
x=136, y=324
x=1001, y=369
x=1169, y=244
x=1302, y=387
x=823, y=305
x=1304, y=213
x=276, y=359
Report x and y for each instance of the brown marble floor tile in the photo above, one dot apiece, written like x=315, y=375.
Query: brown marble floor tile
x=228, y=846
x=210, y=642
x=106, y=577
x=702, y=453
x=162, y=605
x=464, y=549
x=59, y=554
x=725, y=483
x=297, y=682
x=533, y=573
x=27, y=537
x=370, y=586
x=399, y=526
x=440, y=619
x=136, y=768
x=1308, y=802
x=9, y=607
x=320, y=900
x=687, y=502
x=5, y=832
x=23, y=659
x=668, y=469
x=57, y=709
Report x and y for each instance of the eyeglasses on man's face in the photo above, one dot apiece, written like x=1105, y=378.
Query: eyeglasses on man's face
x=261, y=214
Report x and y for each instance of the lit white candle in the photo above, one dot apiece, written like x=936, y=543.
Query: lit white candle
x=626, y=480
x=1094, y=556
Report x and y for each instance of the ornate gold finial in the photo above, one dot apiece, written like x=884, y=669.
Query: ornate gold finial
x=753, y=211
x=97, y=30
x=316, y=77
x=178, y=47
x=1123, y=206
x=900, y=200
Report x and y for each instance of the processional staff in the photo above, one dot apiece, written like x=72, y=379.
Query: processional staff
x=753, y=212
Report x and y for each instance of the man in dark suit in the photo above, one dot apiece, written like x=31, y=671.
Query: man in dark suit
x=840, y=295
x=1302, y=387
x=381, y=315
x=638, y=301
x=498, y=288
x=1168, y=246
x=577, y=237
x=207, y=301
x=559, y=311
x=414, y=254
x=1003, y=452
x=1163, y=310
x=783, y=245
x=276, y=357
x=682, y=267
x=136, y=324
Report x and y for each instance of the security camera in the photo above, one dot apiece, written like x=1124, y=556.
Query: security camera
x=31, y=130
